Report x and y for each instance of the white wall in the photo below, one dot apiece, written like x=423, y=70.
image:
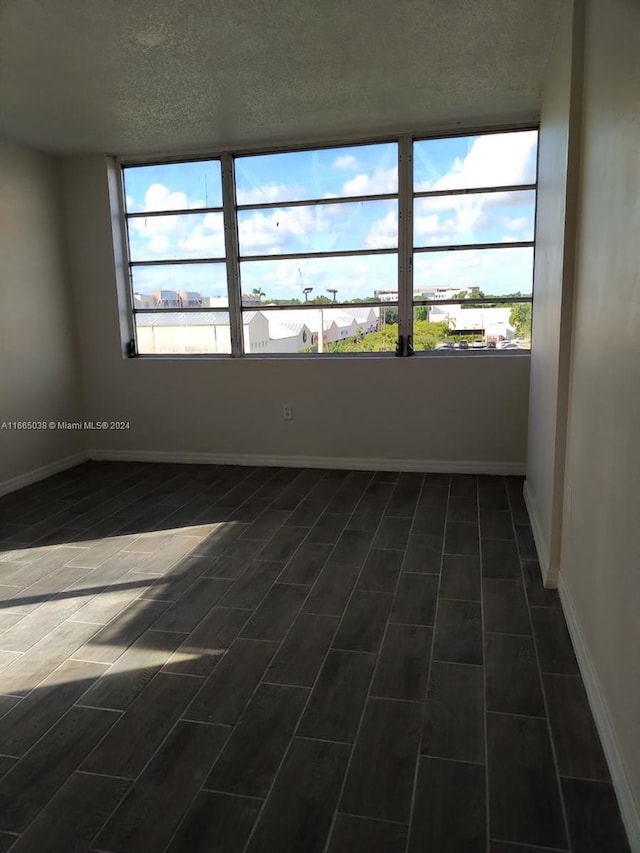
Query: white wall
x=600, y=574
x=38, y=368
x=451, y=411
x=558, y=161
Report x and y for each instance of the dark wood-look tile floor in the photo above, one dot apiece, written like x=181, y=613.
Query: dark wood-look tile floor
x=251, y=660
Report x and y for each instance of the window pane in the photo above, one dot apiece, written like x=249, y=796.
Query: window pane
x=361, y=329
x=319, y=228
x=169, y=332
x=180, y=286
x=478, y=218
x=347, y=279
x=469, y=273
x=465, y=162
x=465, y=328
x=191, y=235
x=173, y=186
x=325, y=173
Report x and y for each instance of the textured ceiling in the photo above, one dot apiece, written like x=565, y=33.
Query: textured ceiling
x=136, y=76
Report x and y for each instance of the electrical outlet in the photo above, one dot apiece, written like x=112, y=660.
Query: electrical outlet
x=287, y=411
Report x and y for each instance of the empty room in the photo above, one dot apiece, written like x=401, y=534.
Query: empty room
x=319, y=417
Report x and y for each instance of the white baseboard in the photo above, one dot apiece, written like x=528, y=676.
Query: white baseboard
x=42, y=473
x=356, y=464
x=629, y=808
x=538, y=538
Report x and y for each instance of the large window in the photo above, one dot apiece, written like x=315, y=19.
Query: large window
x=405, y=246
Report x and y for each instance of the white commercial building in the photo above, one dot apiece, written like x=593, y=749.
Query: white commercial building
x=279, y=331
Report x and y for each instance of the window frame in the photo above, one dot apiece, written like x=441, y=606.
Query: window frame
x=405, y=197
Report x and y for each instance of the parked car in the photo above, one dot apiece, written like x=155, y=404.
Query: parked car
x=491, y=345
x=478, y=344
x=447, y=345
x=510, y=345
x=463, y=345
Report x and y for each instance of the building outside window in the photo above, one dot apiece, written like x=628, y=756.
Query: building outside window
x=404, y=246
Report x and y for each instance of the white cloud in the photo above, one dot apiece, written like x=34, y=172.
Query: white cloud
x=167, y=237
x=270, y=193
x=519, y=224
x=294, y=229
x=158, y=244
x=346, y=161
x=381, y=181
x=159, y=197
x=383, y=234
x=493, y=160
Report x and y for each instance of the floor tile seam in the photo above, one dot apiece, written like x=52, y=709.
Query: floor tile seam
x=487, y=788
x=420, y=574
x=62, y=661
x=598, y=780
x=552, y=745
x=259, y=682
x=456, y=553
x=513, y=714
x=155, y=752
x=88, y=621
x=167, y=601
x=457, y=663
x=315, y=682
x=119, y=802
x=35, y=744
x=17, y=695
x=508, y=634
x=378, y=697
x=375, y=670
x=52, y=597
x=168, y=672
x=250, y=614
x=464, y=761
x=431, y=624
x=294, y=686
x=497, y=538
x=205, y=679
x=438, y=574
x=206, y=790
x=256, y=558
x=103, y=775
x=41, y=682
x=348, y=743
x=280, y=643
x=396, y=823
x=460, y=600
x=203, y=618
x=527, y=847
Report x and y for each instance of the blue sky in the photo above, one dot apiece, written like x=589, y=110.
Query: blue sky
x=499, y=159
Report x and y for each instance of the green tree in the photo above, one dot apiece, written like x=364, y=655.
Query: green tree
x=520, y=319
x=258, y=291
x=426, y=336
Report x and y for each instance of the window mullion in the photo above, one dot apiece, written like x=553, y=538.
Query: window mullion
x=231, y=251
x=405, y=241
